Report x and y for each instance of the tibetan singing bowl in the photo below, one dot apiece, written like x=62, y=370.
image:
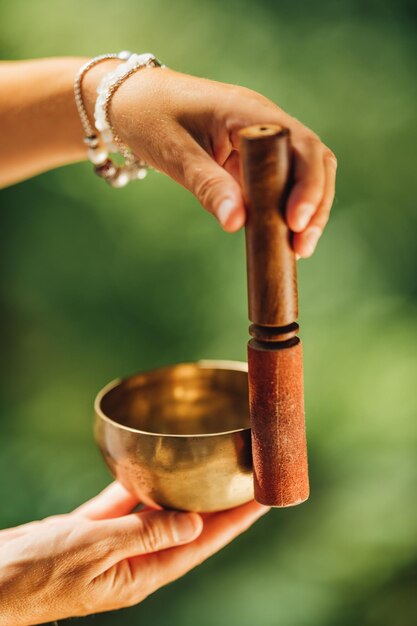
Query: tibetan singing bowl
x=178, y=437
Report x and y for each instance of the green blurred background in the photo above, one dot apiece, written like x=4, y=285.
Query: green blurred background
x=98, y=283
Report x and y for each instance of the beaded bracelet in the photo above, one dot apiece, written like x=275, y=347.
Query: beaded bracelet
x=133, y=168
x=98, y=151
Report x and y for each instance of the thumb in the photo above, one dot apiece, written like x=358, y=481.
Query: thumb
x=151, y=531
x=216, y=190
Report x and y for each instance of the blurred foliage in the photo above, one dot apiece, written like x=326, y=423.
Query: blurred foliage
x=99, y=283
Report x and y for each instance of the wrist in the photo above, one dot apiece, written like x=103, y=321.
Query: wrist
x=135, y=111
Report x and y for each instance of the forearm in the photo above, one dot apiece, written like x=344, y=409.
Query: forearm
x=39, y=124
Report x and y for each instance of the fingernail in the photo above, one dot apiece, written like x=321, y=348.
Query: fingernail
x=304, y=214
x=184, y=526
x=310, y=239
x=297, y=256
x=237, y=222
x=225, y=210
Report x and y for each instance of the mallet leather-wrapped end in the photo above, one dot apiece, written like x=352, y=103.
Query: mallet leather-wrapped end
x=279, y=446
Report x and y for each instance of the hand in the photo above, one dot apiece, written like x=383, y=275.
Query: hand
x=188, y=128
x=103, y=557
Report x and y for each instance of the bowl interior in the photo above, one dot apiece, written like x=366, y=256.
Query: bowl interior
x=186, y=399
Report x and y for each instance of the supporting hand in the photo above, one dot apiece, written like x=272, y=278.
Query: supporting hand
x=103, y=557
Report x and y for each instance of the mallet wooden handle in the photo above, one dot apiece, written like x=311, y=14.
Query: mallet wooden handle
x=274, y=354
x=272, y=273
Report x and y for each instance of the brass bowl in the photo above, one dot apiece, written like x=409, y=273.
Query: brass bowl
x=178, y=437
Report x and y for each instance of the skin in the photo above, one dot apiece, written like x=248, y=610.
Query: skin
x=181, y=125
x=102, y=556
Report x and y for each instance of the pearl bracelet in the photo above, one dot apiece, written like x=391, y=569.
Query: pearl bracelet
x=98, y=151
x=106, y=90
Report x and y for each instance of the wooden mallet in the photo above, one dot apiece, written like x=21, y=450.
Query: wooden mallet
x=276, y=395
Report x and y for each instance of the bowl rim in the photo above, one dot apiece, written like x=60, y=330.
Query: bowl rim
x=219, y=364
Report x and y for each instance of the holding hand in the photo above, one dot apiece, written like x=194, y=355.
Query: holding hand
x=184, y=126
x=188, y=128
x=103, y=557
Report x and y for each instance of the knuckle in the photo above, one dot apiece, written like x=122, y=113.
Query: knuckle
x=309, y=189
x=312, y=140
x=192, y=173
x=321, y=222
x=99, y=545
x=152, y=535
x=103, y=548
x=321, y=219
x=239, y=91
x=205, y=189
x=329, y=155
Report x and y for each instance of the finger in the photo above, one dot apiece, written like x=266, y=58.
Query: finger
x=145, y=533
x=308, y=188
x=219, y=530
x=232, y=165
x=305, y=243
x=215, y=188
x=113, y=501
